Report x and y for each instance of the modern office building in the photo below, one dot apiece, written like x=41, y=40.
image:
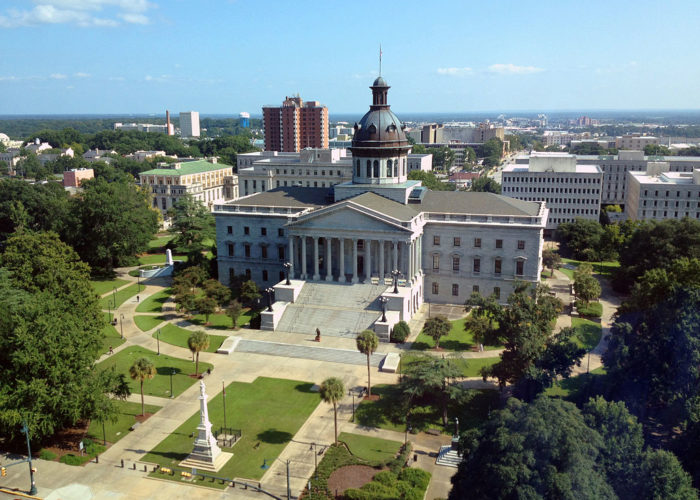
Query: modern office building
x=659, y=194
x=189, y=124
x=203, y=179
x=635, y=142
x=445, y=245
x=295, y=125
x=569, y=189
x=313, y=168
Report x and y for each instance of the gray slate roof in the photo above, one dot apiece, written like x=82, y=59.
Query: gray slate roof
x=461, y=202
x=386, y=206
x=291, y=196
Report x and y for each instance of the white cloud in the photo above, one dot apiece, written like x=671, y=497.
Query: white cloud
x=79, y=12
x=454, y=71
x=80, y=74
x=513, y=69
x=57, y=76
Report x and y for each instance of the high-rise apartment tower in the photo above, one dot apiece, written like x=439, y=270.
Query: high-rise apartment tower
x=295, y=125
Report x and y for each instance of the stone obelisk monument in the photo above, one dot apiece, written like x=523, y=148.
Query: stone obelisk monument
x=206, y=453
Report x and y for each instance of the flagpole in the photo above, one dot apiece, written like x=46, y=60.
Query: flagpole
x=224, y=393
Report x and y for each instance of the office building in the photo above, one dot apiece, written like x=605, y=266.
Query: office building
x=189, y=124
x=659, y=194
x=295, y=125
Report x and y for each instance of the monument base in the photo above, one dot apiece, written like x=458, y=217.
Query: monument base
x=218, y=463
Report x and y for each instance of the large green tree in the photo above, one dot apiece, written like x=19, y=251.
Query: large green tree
x=586, y=286
x=332, y=391
x=50, y=335
x=367, y=342
x=143, y=369
x=192, y=225
x=198, y=341
x=436, y=328
x=485, y=184
x=46, y=206
x=113, y=223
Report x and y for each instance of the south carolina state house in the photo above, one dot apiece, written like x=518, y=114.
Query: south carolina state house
x=344, y=245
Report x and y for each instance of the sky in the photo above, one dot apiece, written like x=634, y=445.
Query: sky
x=227, y=56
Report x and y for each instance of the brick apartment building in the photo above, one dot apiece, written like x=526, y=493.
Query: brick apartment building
x=295, y=125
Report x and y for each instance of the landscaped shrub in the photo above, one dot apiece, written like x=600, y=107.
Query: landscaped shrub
x=594, y=309
x=47, y=455
x=379, y=491
x=398, y=463
x=71, y=459
x=355, y=494
x=92, y=448
x=408, y=492
x=400, y=332
x=385, y=477
x=416, y=477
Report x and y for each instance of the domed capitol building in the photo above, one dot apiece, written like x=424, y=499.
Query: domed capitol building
x=344, y=246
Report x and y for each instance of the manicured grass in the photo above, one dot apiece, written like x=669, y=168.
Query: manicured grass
x=268, y=412
x=103, y=286
x=122, y=296
x=388, y=412
x=126, y=417
x=154, y=303
x=160, y=241
x=158, y=258
x=111, y=336
x=605, y=268
x=370, y=448
x=570, y=388
x=594, y=309
x=145, y=323
x=222, y=321
x=457, y=340
x=160, y=384
x=588, y=332
x=175, y=335
x=470, y=367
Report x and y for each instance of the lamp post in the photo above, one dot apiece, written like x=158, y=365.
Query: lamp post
x=313, y=448
x=405, y=436
x=139, y=281
x=383, y=301
x=25, y=430
x=352, y=393
x=287, y=266
x=269, y=291
x=158, y=340
x=172, y=372
x=121, y=324
x=395, y=274
x=114, y=296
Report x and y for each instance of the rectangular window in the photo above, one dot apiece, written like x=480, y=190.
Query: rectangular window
x=519, y=266
x=436, y=288
x=457, y=242
x=496, y=292
x=499, y=243
x=280, y=253
x=521, y=244
x=475, y=289
x=230, y=249
x=229, y=229
x=477, y=242
x=263, y=231
x=477, y=265
x=436, y=240
x=455, y=289
x=436, y=262
x=264, y=252
x=280, y=232
x=497, y=266
x=246, y=230
x=455, y=263
x=264, y=275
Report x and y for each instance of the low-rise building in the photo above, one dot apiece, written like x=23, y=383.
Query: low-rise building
x=203, y=179
x=635, y=141
x=659, y=194
x=571, y=190
x=148, y=155
x=92, y=155
x=142, y=127
x=75, y=177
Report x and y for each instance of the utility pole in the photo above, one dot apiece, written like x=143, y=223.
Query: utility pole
x=25, y=430
x=289, y=490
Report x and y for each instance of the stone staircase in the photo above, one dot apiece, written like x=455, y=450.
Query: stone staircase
x=448, y=457
x=308, y=352
x=338, y=310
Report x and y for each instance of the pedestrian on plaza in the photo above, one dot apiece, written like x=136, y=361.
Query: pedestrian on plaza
x=111, y=351
x=481, y=347
x=137, y=298
x=318, y=335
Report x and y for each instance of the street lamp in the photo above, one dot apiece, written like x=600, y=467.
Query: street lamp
x=25, y=430
x=383, y=301
x=313, y=447
x=158, y=340
x=405, y=437
x=269, y=291
x=172, y=372
x=114, y=296
x=121, y=324
x=395, y=274
x=287, y=266
x=352, y=393
x=139, y=281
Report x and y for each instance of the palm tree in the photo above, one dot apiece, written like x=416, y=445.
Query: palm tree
x=142, y=369
x=197, y=341
x=332, y=391
x=367, y=343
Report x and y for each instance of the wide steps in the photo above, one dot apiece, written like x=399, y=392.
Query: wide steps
x=308, y=352
x=448, y=457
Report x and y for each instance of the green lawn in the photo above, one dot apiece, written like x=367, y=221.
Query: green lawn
x=594, y=309
x=388, y=413
x=370, y=448
x=457, y=340
x=155, y=302
x=122, y=296
x=175, y=335
x=104, y=286
x=588, y=332
x=605, y=268
x=160, y=384
x=268, y=412
x=570, y=388
x=160, y=241
x=158, y=258
x=125, y=419
x=222, y=321
x=146, y=323
x=111, y=336
x=470, y=367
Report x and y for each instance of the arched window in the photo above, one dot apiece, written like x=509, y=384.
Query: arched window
x=376, y=168
x=358, y=168
x=369, y=168
x=388, y=168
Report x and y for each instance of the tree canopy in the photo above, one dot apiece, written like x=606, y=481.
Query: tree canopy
x=486, y=184
x=430, y=180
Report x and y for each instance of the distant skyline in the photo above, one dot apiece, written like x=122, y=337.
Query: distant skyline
x=227, y=56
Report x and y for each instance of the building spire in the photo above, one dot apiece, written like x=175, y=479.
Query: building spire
x=380, y=59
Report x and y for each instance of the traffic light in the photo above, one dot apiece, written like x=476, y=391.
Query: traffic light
x=4, y=471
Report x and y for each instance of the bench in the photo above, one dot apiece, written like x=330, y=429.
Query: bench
x=433, y=432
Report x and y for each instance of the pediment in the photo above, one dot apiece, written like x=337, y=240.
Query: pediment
x=346, y=218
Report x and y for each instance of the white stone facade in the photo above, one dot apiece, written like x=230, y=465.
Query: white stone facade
x=659, y=194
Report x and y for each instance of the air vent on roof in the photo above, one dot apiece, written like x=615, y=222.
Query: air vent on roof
x=417, y=194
